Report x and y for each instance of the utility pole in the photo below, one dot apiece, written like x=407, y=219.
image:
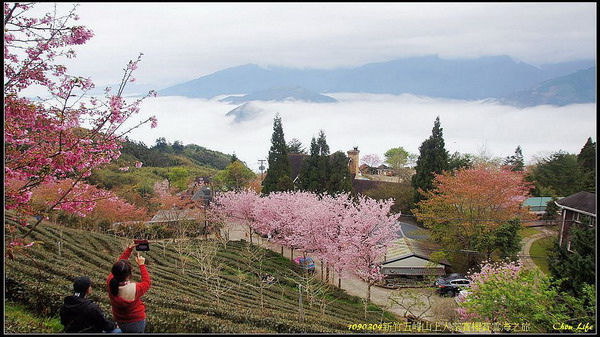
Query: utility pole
x=261, y=167
x=300, y=306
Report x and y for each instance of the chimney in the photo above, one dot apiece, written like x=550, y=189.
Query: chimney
x=353, y=163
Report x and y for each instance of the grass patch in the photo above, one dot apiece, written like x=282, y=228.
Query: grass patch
x=17, y=319
x=539, y=252
x=526, y=232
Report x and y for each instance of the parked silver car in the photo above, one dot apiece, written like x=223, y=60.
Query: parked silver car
x=451, y=284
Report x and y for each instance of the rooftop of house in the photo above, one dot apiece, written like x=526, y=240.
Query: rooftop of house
x=581, y=201
x=404, y=247
x=174, y=215
x=537, y=201
x=203, y=193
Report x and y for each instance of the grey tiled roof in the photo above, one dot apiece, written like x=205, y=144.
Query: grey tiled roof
x=581, y=201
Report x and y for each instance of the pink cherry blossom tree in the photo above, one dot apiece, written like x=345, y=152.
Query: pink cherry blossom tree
x=66, y=134
x=237, y=208
x=370, y=230
x=350, y=234
x=372, y=160
x=278, y=216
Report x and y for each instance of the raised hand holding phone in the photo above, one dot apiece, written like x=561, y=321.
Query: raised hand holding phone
x=140, y=260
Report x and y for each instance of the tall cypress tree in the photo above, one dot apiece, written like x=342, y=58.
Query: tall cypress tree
x=587, y=160
x=308, y=171
x=340, y=178
x=279, y=171
x=323, y=166
x=433, y=158
x=315, y=172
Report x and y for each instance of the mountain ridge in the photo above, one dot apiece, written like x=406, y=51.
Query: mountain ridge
x=578, y=87
x=469, y=79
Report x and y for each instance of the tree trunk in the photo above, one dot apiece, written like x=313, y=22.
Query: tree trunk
x=321, y=269
x=281, y=250
x=368, y=299
x=300, y=306
x=340, y=282
x=292, y=253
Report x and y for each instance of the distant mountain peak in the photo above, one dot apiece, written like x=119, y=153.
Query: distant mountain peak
x=244, y=112
x=281, y=93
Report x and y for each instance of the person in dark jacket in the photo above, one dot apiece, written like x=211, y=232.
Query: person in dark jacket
x=79, y=314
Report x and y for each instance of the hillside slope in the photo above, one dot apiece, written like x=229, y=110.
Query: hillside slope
x=578, y=87
x=180, y=300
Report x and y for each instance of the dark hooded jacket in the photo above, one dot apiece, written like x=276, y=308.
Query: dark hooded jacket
x=82, y=315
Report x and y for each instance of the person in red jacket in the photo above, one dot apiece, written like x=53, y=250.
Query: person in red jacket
x=125, y=296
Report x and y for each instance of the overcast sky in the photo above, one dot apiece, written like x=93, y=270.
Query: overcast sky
x=183, y=41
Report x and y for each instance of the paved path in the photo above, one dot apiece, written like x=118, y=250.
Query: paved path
x=526, y=246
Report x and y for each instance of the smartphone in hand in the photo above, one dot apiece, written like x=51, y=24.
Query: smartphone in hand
x=142, y=245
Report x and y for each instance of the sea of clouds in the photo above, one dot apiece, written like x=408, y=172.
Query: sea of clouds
x=374, y=123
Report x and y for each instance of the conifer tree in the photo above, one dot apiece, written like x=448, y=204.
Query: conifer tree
x=576, y=263
x=587, y=160
x=340, y=178
x=433, y=158
x=279, y=171
x=295, y=146
x=557, y=175
x=308, y=171
x=323, y=165
x=315, y=169
x=515, y=162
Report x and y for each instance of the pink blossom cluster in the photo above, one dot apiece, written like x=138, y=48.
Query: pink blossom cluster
x=44, y=140
x=495, y=271
x=43, y=40
x=490, y=272
x=350, y=234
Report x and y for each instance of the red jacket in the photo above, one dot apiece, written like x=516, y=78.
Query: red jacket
x=130, y=311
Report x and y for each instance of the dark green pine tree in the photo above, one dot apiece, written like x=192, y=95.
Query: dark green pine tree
x=557, y=175
x=340, y=178
x=433, y=158
x=308, y=172
x=587, y=160
x=323, y=165
x=315, y=169
x=515, y=162
x=279, y=171
x=575, y=263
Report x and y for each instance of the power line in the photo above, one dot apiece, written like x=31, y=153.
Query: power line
x=471, y=219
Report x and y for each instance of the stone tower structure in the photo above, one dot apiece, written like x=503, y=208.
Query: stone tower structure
x=353, y=163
